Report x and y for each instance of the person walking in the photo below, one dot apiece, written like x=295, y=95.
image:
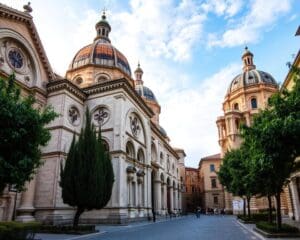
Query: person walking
x=198, y=211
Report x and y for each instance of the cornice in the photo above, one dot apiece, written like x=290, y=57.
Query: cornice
x=65, y=84
x=288, y=78
x=117, y=84
x=166, y=144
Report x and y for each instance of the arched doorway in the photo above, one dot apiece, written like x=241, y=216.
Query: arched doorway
x=169, y=195
x=153, y=197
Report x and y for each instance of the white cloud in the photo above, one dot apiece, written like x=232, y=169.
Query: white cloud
x=160, y=28
x=227, y=8
x=262, y=14
x=189, y=114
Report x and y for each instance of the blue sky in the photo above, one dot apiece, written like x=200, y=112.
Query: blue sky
x=189, y=50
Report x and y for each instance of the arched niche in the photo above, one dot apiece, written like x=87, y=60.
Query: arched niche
x=141, y=156
x=130, y=150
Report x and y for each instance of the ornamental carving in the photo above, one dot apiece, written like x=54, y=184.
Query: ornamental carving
x=74, y=116
x=101, y=116
x=135, y=126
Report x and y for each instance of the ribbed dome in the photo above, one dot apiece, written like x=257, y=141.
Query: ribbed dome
x=101, y=53
x=250, y=75
x=145, y=92
x=249, y=78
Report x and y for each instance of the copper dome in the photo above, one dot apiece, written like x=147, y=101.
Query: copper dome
x=101, y=52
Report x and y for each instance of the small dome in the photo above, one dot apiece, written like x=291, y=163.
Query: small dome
x=249, y=78
x=163, y=131
x=145, y=92
x=101, y=53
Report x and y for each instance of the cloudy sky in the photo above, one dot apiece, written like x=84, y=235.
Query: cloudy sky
x=189, y=50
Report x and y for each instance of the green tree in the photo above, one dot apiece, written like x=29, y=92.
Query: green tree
x=87, y=178
x=22, y=132
x=275, y=133
x=236, y=175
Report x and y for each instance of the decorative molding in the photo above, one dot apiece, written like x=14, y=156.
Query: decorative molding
x=65, y=84
x=117, y=84
x=166, y=144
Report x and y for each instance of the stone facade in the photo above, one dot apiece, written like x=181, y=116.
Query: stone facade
x=212, y=191
x=292, y=192
x=192, y=193
x=148, y=171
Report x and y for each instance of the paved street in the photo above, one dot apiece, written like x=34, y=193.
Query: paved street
x=207, y=227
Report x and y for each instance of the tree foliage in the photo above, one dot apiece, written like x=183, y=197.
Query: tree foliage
x=234, y=174
x=22, y=132
x=87, y=178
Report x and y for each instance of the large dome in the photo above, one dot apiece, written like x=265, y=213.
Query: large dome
x=101, y=53
x=250, y=75
x=249, y=78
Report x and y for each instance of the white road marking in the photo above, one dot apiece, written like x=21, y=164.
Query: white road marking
x=251, y=231
x=87, y=235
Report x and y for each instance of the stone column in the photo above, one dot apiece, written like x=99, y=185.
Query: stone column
x=295, y=198
x=180, y=200
x=175, y=199
x=171, y=199
x=165, y=197
x=157, y=196
x=26, y=210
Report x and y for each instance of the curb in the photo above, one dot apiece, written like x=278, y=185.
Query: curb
x=276, y=235
x=251, y=231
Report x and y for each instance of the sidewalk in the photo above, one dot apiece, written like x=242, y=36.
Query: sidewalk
x=250, y=228
x=104, y=229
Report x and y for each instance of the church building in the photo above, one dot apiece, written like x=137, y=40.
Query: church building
x=247, y=93
x=147, y=168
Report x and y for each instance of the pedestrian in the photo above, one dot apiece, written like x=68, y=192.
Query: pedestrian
x=153, y=214
x=198, y=211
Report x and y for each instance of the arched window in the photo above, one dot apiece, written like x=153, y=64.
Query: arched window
x=78, y=80
x=162, y=178
x=161, y=158
x=153, y=153
x=130, y=150
x=105, y=145
x=140, y=156
x=102, y=78
x=237, y=124
x=236, y=106
x=253, y=103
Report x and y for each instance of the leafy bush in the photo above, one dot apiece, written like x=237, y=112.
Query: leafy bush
x=271, y=228
x=18, y=231
x=257, y=217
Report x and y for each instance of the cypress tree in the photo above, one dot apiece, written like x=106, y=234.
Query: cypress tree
x=88, y=177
